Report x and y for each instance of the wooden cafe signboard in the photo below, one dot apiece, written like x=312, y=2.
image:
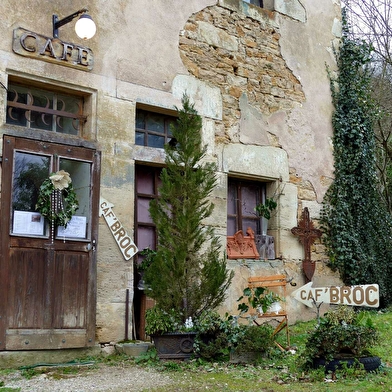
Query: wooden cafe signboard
x=360, y=295
x=53, y=50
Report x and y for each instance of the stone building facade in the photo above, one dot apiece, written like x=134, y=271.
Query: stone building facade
x=257, y=76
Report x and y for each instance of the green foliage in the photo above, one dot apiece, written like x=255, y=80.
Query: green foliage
x=264, y=209
x=188, y=273
x=216, y=336
x=159, y=321
x=148, y=258
x=341, y=332
x=212, y=341
x=58, y=217
x=356, y=223
x=150, y=357
x=258, y=297
x=254, y=338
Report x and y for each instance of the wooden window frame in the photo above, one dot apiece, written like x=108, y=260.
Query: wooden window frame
x=138, y=224
x=167, y=119
x=238, y=216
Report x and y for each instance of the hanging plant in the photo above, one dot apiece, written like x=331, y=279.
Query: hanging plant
x=57, y=199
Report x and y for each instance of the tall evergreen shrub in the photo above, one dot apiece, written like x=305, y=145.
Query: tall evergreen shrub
x=356, y=222
x=188, y=274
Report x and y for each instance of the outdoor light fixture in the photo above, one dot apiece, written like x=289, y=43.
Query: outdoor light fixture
x=85, y=27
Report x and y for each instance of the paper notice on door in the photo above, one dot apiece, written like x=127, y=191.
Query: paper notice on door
x=26, y=222
x=76, y=228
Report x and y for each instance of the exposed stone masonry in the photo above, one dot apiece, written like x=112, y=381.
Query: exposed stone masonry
x=240, y=55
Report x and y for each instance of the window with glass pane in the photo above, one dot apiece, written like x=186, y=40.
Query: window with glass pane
x=30, y=171
x=146, y=183
x=153, y=129
x=80, y=173
x=242, y=198
x=43, y=109
x=255, y=2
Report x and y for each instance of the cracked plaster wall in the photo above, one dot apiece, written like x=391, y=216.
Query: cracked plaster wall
x=140, y=57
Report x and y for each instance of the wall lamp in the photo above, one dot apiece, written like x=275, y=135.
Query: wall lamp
x=85, y=27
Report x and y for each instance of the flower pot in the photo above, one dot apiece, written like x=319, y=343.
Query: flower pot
x=369, y=363
x=175, y=345
x=133, y=349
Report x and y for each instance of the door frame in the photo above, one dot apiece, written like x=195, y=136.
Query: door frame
x=5, y=240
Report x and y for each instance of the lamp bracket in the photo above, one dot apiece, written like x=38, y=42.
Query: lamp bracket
x=58, y=23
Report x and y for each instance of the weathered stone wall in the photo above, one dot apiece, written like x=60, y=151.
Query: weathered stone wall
x=256, y=76
x=241, y=56
x=238, y=51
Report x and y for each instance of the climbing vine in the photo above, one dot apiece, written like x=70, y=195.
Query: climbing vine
x=357, y=226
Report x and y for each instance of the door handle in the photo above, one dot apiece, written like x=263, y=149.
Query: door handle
x=91, y=246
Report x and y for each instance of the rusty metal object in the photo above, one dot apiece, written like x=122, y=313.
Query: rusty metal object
x=240, y=246
x=307, y=235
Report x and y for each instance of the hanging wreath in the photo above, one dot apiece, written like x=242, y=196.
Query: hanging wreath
x=57, y=199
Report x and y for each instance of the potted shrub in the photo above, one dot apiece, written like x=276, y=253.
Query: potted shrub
x=250, y=343
x=342, y=336
x=213, y=335
x=188, y=274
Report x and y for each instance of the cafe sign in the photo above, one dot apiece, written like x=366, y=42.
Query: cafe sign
x=53, y=50
x=360, y=295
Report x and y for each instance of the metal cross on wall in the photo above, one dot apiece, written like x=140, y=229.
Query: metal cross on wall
x=307, y=235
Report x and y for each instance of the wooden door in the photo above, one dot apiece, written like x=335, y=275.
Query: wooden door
x=47, y=277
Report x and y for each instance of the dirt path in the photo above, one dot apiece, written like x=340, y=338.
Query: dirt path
x=100, y=378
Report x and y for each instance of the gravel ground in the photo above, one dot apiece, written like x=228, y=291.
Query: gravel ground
x=99, y=378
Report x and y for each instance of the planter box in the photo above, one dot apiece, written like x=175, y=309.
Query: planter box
x=174, y=345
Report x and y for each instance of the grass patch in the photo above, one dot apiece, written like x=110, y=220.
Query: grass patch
x=281, y=372
x=278, y=373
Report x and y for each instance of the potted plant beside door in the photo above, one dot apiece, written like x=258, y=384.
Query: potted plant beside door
x=188, y=274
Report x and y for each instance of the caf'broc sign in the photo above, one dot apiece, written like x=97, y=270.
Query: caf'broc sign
x=361, y=295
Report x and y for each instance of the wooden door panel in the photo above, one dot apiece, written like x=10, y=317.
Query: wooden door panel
x=26, y=297
x=71, y=290
x=47, y=282
x=51, y=339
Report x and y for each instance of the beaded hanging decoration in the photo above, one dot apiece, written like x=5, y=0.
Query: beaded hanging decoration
x=57, y=200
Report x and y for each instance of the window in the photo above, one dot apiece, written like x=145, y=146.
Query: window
x=243, y=196
x=30, y=169
x=153, y=129
x=259, y=3
x=47, y=110
x=146, y=183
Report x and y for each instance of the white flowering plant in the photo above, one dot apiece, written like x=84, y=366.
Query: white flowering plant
x=159, y=321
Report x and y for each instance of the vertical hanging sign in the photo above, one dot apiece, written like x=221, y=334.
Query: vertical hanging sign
x=124, y=241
